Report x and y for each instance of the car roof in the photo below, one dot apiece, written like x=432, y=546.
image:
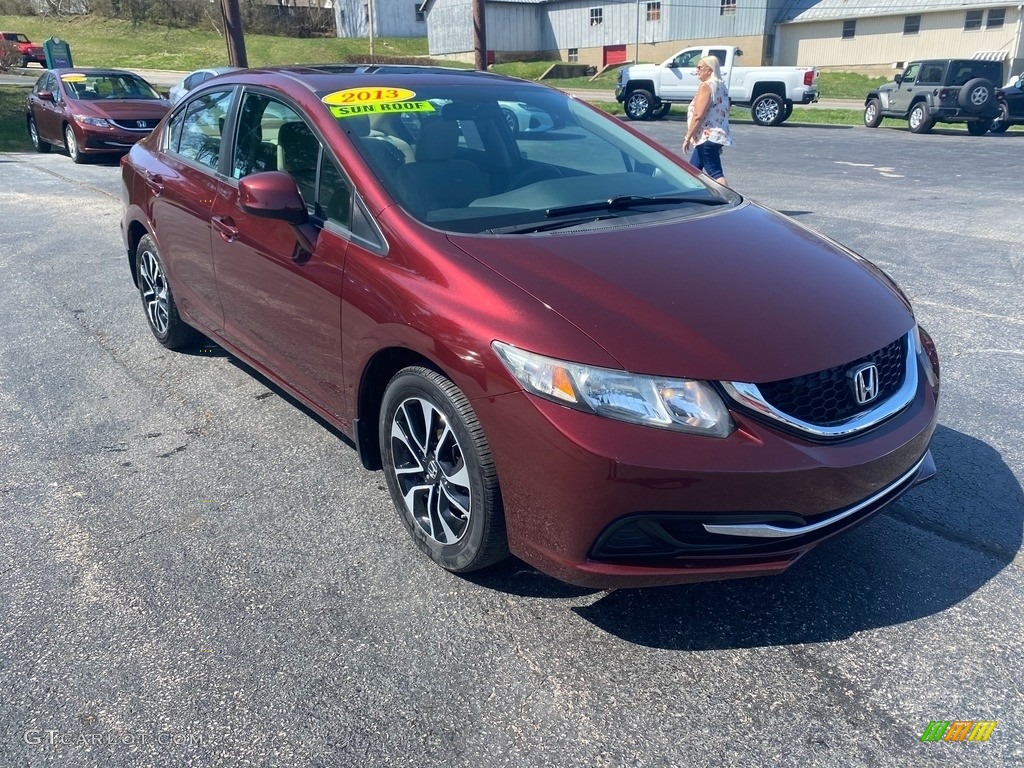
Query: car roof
x=328, y=77
x=92, y=71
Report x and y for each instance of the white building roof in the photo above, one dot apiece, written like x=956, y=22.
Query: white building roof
x=822, y=10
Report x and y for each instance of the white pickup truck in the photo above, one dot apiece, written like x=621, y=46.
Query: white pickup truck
x=648, y=91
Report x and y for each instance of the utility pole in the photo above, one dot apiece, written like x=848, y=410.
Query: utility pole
x=232, y=17
x=369, y=20
x=479, y=35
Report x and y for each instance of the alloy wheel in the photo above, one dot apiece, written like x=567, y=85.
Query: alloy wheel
x=153, y=287
x=431, y=471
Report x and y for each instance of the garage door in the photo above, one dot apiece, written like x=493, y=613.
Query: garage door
x=614, y=54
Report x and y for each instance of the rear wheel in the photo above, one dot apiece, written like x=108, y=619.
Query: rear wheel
x=661, y=110
x=71, y=143
x=873, y=113
x=919, y=121
x=511, y=120
x=37, y=143
x=768, y=109
x=158, y=301
x=978, y=127
x=440, y=472
x=639, y=104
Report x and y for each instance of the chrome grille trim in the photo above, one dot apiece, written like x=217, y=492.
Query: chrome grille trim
x=750, y=396
x=768, y=531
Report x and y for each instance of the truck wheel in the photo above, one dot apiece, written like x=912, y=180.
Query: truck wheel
x=976, y=95
x=639, y=105
x=767, y=109
x=662, y=110
x=978, y=127
x=1002, y=122
x=919, y=121
x=873, y=113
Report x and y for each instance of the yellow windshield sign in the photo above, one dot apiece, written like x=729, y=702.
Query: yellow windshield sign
x=374, y=101
x=73, y=78
x=354, y=96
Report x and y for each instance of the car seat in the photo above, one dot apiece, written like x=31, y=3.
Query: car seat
x=438, y=179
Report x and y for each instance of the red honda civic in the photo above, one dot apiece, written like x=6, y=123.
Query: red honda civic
x=565, y=345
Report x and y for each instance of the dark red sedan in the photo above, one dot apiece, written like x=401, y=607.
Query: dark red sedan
x=564, y=344
x=91, y=111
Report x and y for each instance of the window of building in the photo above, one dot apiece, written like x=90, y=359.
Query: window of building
x=996, y=17
x=849, y=29
x=973, y=20
x=366, y=12
x=911, y=25
x=727, y=8
x=574, y=55
x=420, y=15
x=654, y=11
x=596, y=16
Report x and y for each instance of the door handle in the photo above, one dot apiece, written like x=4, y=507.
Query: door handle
x=225, y=226
x=156, y=183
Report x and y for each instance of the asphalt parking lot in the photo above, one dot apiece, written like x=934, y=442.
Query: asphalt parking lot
x=199, y=573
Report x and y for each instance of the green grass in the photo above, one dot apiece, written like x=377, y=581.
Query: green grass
x=13, y=135
x=112, y=43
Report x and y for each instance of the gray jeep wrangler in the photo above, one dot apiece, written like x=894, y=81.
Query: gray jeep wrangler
x=939, y=91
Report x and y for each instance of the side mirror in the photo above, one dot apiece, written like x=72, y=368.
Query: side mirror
x=272, y=195
x=275, y=195
x=45, y=96
x=898, y=79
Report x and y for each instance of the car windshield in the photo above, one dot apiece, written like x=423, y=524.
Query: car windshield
x=91, y=87
x=510, y=158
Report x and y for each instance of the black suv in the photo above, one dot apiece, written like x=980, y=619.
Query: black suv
x=939, y=91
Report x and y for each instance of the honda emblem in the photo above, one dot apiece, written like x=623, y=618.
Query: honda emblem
x=864, y=381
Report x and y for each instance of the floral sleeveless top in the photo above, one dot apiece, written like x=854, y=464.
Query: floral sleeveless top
x=716, y=121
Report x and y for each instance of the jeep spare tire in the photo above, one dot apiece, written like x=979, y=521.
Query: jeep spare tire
x=976, y=95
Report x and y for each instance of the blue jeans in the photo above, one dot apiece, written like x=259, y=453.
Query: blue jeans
x=707, y=157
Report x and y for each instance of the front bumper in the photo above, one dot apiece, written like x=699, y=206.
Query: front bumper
x=620, y=94
x=604, y=504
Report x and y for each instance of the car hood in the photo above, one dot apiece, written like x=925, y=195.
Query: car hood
x=744, y=294
x=127, y=109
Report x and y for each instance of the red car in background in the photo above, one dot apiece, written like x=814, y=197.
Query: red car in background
x=30, y=52
x=91, y=111
x=562, y=344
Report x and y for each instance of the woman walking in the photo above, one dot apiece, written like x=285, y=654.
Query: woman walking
x=707, y=121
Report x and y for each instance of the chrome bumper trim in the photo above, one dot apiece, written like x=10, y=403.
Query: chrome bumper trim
x=766, y=531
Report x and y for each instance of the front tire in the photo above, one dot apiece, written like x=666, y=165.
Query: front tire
x=511, y=120
x=919, y=121
x=440, y=472
x=639, y=104
x=1001, y=124
x=37, y=142
x=873, y=113
x=71, y=144
x=768, y=109
x=158, y=300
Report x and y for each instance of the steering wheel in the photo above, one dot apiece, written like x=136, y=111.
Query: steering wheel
x=533, y=173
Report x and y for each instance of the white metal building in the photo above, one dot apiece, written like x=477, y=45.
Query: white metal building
x=876, y=35
x=391, y=18
x=861, y=35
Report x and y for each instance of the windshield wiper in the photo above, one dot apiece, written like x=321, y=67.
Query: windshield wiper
x=624, y=202
x=546, y=226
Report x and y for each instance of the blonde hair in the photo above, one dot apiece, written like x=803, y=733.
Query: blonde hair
x=716, y=72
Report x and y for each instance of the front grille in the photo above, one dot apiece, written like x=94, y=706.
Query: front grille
x=136, y=125
x=827, y=398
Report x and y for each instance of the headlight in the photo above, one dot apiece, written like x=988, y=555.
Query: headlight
x=684, y=405
x=89, y=120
